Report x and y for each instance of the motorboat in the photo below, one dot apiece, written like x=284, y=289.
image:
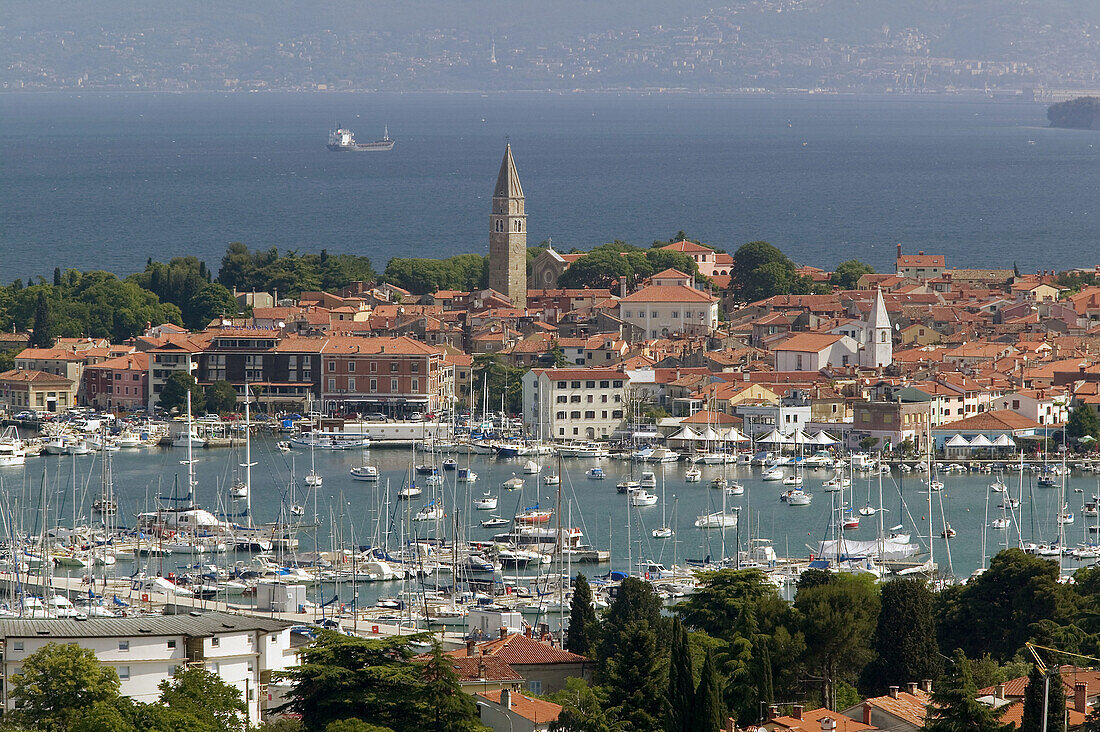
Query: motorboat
x=586, y=450
x=735, y=489
x=314, y=479
x=450, y=464
x=850, y=523
x=364, y=472
x=649, y=480
x=531, y=467
x=693, y=475
x=719, y=483
x=948, y=532
x=796, y=497
x=554, y=479
x=868, y=510
x=425, y=469
x=1000, y=523
x=628, y=486
x=836, y=483
x=998, y=486
x=432, y=512
x=465, y=475
x=595, y=474
x=795, y=480
x=643, y=498
x=534, y=515
x=663, y=532
x=773, y=474
x=492, y=523
x=935, y=486
x=12, y=450
x=283, y=446
x=513, y=483
x=488, y=502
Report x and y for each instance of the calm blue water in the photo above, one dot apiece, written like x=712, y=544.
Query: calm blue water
x=364, y=516
x=107, y=180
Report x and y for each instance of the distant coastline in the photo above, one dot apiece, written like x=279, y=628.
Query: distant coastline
x=1082, y=113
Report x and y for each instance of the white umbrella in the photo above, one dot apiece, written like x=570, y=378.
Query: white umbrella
x=1004, y=441
x=734, y=435
x=775, y=437
x=798, y=437
x=821, y=438
x=981, y=441
x=687, y=433
x=957, y=441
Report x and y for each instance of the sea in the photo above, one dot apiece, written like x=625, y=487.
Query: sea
x=108, y=180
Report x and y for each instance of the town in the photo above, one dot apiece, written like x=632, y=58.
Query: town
x=678, y=355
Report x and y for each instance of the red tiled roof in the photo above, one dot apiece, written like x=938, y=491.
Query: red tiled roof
x=808, y=342
x=908, y=707
x=991, y=421
x=33, y=377
x=137, y=361
x=536, y=710
x=517, y=648
x=668, y=293
x=686, y=246
x=921, y=260
x=483, y=668
x=566, y=373
x=811, y=722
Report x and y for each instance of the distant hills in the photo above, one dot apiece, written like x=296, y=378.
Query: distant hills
x=870, y=45
x=1082, y=113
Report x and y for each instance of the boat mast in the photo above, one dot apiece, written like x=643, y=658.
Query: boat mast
x=247, y=456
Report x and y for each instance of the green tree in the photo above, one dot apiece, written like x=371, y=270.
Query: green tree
x=220, y=397
x=583, y=625
x=43, y=327
x=211, y=301
x=558, y=354
x=1083, y=422
x=905, y=637
x=584, y=708
x=995, y=612
x=57, y=682
x=1043, y=688
x=632, y=679
x=847, y=274
x=955, y=707
x=174, y=393
x=441, y=703
x=636, y=603
x=501, y=380
x=838, y=620
x=709, y=710
x=760, y=271
x=680, y=693
x=202, y=693
x=354, y=725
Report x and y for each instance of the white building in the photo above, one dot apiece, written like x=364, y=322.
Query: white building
x=669, y=305
x=815, y=351
x=147, y=650
x=574, y=403
x=1045, y=406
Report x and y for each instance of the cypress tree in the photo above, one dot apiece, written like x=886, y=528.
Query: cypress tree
x=680, y=695
x=955, y=707
x=1033, y=701
x=709, y=712
x=905, y=637
x=632, y=678
x=43, y=324
x=582, y=619
x=57, y=277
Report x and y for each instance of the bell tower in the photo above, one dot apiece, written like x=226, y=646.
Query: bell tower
x=508, y=234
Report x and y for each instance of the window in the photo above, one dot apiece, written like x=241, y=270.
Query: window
x=373, y=368
x=590, y=414
x=675, y=314
x=560, y=415
x=415, y=366
x=589, y=399
x=617, y=414
x=123, y=673
x=575, y=399
x=604, y=384
x=574, y=385
x=627, y=314
x=215, y=641
x=617, y=384
x=351, y=367
x=124, y=645
x=393, y=386
x=415, y=385
x=171, y=644
x=562, y=399
x=393, y=367
x=887, y=419
x=603, y=414
x=17, y=645
x=561, y=384
x=603, y=398
x=865, y=417
x=373, y=385
x=574, y=415
x=535, y=685
x=332, y=367
x=351, y=384
x=332, y=384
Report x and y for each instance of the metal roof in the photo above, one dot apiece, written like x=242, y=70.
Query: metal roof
x=190, y=624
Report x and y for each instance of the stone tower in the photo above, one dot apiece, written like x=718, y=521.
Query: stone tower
x=508, y=234
x=878, y=344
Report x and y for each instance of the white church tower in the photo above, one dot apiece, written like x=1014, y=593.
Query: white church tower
x=878, y=343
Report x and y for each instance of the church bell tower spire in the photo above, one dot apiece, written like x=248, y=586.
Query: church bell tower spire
x=508, y=234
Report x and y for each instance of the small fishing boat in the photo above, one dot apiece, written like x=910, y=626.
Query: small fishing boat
x=693, y=475
x=513, y=483
x=364, y=472
x=551, y=479
x=735, y=489
x=595, y=474
x=492, y=523
x=450, y=464
x=643, y=498
x=488, y=502
x=409, y=492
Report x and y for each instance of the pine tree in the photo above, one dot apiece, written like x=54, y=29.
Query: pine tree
x=632, y=679
x=709, y=711
x=955, y=707
x=680, y=695
x=1034, y=695
x=57, y=277
x=582, y=619
x=1083, y=422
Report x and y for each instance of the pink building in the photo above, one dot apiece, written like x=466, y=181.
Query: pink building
x=120, y=383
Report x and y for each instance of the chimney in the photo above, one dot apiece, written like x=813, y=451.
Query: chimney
x=796, y=711
x=867, y=709
x=1081, y=697
x=506, y=698
x=773, y=711
x=893, y=692
x=921, y=252
x=528, y=631
x=999, y=692
x=912, y=687
x=503, y=632
x=828, y=724
x=926, y=685
x=622, y=286
x=471, y=646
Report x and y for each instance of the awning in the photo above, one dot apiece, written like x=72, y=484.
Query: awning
x=798, y=437
x=1003, y=441
x=775, y=437
x=687, y=433
x=981, y=441
x=957, y=441
x=820, y=438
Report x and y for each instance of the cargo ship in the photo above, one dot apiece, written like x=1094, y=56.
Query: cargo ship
x=342, y=140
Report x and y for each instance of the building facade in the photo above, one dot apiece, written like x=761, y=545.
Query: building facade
x=574, y=404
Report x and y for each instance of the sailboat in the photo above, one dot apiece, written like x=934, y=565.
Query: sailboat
x=664, y=531
x=312, y=477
